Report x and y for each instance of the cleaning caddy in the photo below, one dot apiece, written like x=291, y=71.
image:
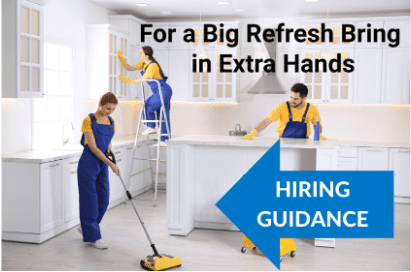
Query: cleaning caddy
x=287, y=245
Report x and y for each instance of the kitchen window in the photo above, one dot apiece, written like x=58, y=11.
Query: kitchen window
x=52, y=116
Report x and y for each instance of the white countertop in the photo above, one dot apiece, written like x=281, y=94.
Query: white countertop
x=48, y=155
x=255, y=142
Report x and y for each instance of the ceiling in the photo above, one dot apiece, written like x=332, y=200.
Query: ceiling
x=210, y=10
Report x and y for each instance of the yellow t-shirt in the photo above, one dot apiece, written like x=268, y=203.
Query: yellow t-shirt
x=87, y=126
x=281, y=113
x=153, y=71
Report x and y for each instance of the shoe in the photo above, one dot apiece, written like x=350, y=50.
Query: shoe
x=80, y=230
x=99, y=244
x=149, y=131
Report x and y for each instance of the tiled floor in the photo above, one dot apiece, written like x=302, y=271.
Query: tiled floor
x=201, y=249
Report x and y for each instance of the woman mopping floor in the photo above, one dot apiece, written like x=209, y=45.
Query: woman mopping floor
x=151, y=70
x=92, y=172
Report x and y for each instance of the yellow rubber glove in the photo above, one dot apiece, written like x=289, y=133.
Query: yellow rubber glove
x=125, y=79
x=252, y=134
x=121, y=58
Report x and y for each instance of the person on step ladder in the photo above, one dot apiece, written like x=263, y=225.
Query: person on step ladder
x=150, y=69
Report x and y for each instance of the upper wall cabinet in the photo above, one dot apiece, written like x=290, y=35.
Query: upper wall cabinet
x=177, y=42
x=22, y=50
x=103, y=64
x=404, y=29
x=132, y=25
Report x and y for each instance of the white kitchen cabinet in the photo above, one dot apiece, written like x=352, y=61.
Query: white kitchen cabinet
x=395, y=85
x=328, y=87
x=33, y=201
x=51, y=195
x=215, y=86
x=178, y=74
x=22, y=49
x=175, y=65
x=216, y=45
x=140, y=176
x=373, y=158
x=400, y=164
x=103, y=42
x=363, y=43
x=404, y=28
x=133, y=25
x=337, y=28
x=382, y=76
x=367, y=75
x=134, y=90
x=71, y=192
x=313, y=45
x=349, y=164
x=117, y=191
x=177, y=43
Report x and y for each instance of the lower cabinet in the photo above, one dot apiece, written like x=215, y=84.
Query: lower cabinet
x=373, y=158
x=140, y=176
x=354, y=158
x=71, y=193
x=39, y=202
x=349, y=164
x=400, y=164
x=51, y=195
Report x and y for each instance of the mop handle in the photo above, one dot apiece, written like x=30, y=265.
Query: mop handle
x=113, y=160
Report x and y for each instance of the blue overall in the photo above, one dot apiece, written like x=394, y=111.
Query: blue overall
x=153, y=103
x=93, y=183
x=295, y=129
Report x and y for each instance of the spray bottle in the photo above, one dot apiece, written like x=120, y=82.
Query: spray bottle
x=317, y=130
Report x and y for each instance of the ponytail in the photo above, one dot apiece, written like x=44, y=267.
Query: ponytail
x=149, y=52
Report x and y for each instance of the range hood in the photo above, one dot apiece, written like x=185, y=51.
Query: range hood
x=269, y=83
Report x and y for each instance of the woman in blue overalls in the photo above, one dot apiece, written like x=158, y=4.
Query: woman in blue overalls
x=92, y=172
x=151, y=69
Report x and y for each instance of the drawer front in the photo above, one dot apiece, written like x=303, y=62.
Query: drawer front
x=347, y=164
x=72, y=163
x=348, y=151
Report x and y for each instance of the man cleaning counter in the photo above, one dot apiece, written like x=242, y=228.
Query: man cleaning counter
x=295, y=116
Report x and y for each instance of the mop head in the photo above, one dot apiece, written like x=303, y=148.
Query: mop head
x=162, y=262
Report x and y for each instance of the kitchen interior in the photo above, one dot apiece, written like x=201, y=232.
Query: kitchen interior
x=60, y=56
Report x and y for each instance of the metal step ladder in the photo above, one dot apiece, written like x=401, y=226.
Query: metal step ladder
x=157, y=121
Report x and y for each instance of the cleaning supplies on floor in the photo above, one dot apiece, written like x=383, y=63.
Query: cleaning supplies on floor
x=317, y=130
x=287, y=245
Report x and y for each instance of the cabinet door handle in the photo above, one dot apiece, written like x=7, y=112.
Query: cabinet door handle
x=375, y=150
x=128, y=148
x=404, y=151
x=119, y=160
x=117, y=152
x=54, y=165
x=74, y=162
x=73, y=172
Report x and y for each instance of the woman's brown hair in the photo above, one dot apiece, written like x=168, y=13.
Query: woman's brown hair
x=149, y=52
x=108, y=98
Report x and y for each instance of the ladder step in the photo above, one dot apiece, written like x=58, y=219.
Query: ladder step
x=150, y=160
x=151, y=121
x=155, y=134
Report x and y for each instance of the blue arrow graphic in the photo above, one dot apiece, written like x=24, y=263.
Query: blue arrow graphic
x=308, y=204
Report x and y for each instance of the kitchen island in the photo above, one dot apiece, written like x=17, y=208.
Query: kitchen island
x=201, y=169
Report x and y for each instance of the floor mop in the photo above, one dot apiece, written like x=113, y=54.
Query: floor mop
x=155, y=262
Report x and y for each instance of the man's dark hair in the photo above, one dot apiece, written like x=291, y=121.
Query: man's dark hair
x=300, y=88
